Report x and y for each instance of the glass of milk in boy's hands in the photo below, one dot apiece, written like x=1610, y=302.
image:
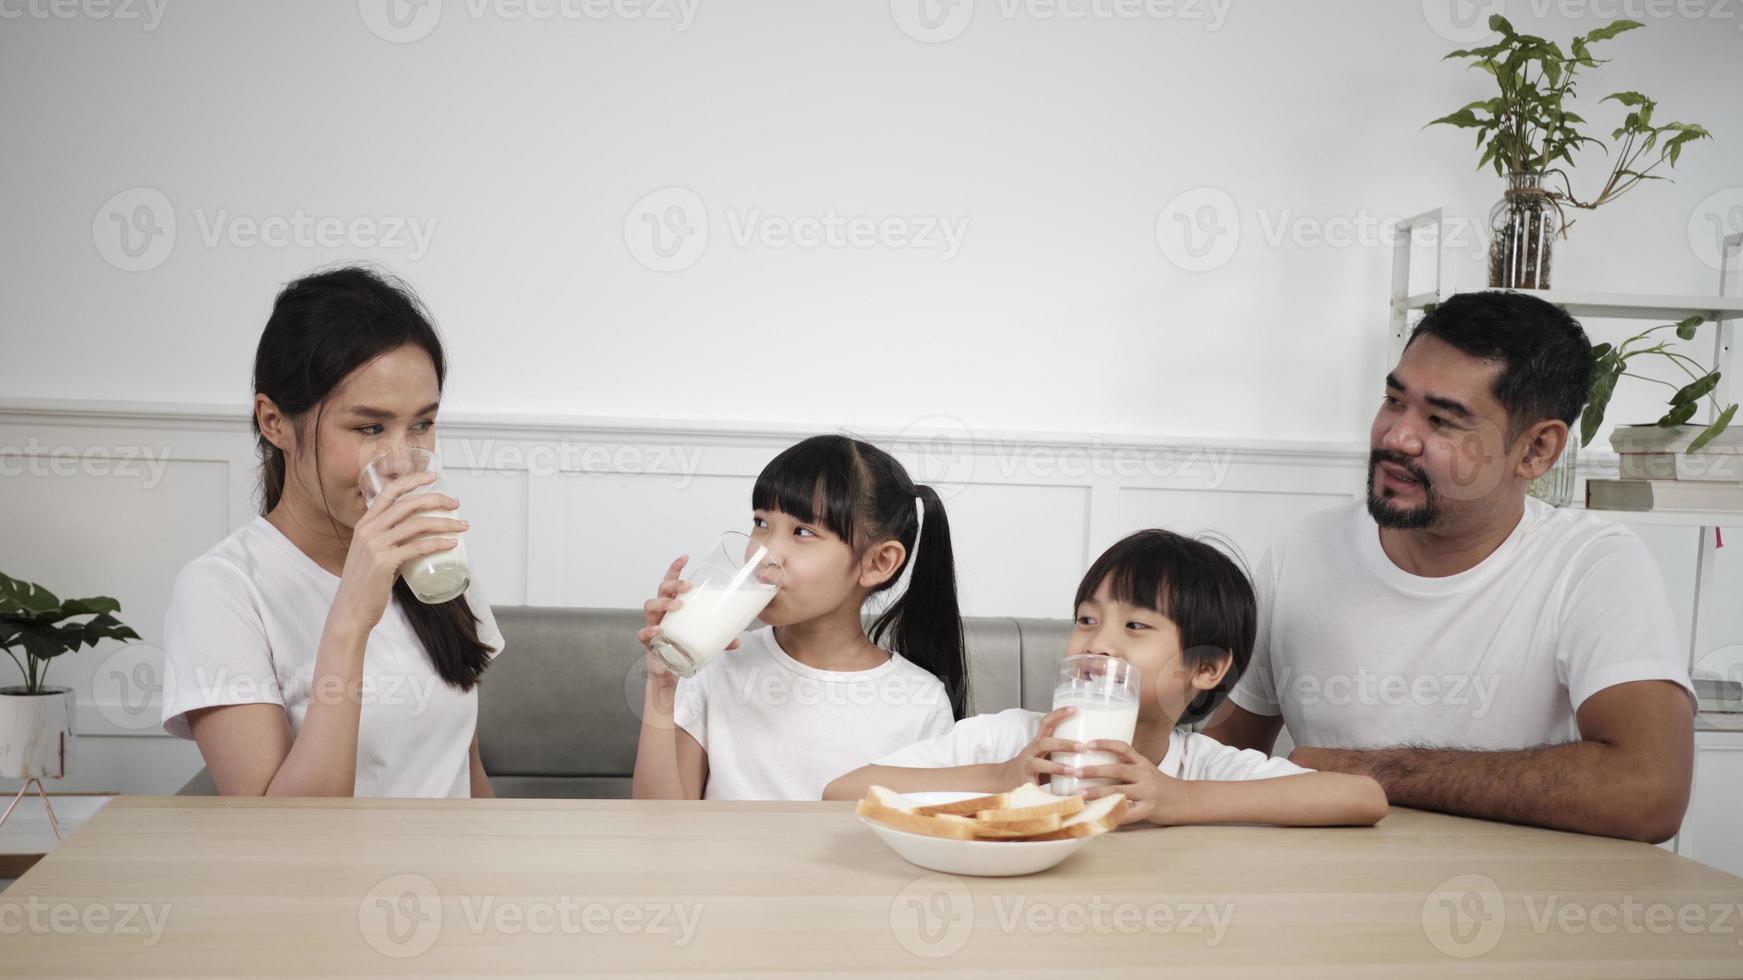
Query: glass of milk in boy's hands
x=1105, y=693
x=729, y=586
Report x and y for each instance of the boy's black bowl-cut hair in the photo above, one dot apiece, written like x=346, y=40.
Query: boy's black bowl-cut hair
x=1196, y=585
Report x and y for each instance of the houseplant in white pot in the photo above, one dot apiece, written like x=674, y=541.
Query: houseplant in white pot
x=36, y=720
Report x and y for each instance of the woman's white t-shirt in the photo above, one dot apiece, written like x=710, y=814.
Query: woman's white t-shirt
x=244, y=623
x=777, y=729
x=988, y=739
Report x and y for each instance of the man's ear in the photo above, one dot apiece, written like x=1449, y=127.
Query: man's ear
x=881, y=563
x=274, y=425
x=1544, y=443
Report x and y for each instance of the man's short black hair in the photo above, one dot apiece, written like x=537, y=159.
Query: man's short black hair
x=1197, y=586
x=1546, y=360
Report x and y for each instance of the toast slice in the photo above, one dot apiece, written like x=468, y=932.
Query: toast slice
x=893, y=810
x=1098, y=817
x=1030, y=802
x=1017, y=830
x=968, y=807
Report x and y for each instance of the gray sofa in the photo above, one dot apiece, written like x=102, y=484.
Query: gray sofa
x=557, y=714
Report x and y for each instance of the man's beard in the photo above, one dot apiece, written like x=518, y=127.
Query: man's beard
x=1381, y=508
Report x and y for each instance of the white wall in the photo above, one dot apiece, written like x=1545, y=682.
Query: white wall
x=527, y=148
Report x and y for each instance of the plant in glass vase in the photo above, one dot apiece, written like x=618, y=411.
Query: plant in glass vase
x=1528, y=133
x=1611, y=363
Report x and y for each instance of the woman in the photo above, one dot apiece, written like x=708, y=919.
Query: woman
x=295, y=655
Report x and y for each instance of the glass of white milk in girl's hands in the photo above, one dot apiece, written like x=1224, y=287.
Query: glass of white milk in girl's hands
x=1105, y=693
x=729, y=587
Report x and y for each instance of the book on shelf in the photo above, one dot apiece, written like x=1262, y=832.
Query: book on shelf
x=1630, y=439
x=1701, y=467
x=1716, y=693
x=1664, y=495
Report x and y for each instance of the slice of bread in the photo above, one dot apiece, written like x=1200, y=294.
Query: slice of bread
x=968, y=807
x=1015, y=830
x=1098, y=817
x=893, y=810
x=1030, y=802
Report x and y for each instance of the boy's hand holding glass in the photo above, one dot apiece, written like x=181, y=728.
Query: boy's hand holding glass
x=1034, y=763
x=1152, y=794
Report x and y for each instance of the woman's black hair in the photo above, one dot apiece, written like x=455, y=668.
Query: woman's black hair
x=864, y=496
x=1201, y=589
x=323, y=327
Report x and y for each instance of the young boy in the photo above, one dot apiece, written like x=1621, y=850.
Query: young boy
x=1183, y=614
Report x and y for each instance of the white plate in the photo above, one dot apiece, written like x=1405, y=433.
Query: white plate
x=984, y=858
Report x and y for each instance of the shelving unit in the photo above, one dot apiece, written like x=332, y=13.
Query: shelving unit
x=1724, y=308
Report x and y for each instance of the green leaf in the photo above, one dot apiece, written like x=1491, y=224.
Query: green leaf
x=1600, y=352
x=1677, y=415
x=1694, y=390
x=1611, y=29
x=1685, y=328
x=95, y=604
x=1603, y=386
x=1626, y=98
x=19, y=596
x=1717, y=427
x=1463, y=119
x=1500, y=24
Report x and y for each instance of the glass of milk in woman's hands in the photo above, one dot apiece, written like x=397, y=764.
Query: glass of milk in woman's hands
x=436, y=577
x=729, y=587
x=1105, y=693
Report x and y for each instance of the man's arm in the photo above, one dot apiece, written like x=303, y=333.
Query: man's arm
x=1235, y=726
x=1627, y=776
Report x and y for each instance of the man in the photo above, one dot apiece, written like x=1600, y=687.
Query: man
x=1475, y=650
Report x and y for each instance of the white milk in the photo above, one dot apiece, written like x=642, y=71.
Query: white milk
x=711, y=617
x=443, y=575
x=1097, y=717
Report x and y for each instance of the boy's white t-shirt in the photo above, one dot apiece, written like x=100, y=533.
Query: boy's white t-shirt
x=776, y=729
x=244, y=624
x=988, y=739
x=1355, y=652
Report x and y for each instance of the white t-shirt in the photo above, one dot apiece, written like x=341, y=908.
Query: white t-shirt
x=776, y=729
x=1355, y=652
x=988, y=739
x=244, y=622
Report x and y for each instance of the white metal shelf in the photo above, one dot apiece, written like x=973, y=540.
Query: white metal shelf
x=1621, y=306
x=1667, y=518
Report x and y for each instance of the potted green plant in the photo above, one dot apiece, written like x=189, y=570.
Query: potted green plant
x=36, y=720
x=1611, y=362
x=1528, y=132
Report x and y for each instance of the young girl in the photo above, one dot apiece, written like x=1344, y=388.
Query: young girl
x=295, y=655
x=811, y=695
x=1183, y=613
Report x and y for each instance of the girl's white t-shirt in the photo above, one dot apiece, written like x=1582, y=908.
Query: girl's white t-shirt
x=777, y=729
x=995, y=738
x=244, y=623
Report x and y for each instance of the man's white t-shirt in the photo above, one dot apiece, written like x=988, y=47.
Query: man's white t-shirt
x=989, y=739
x=777, y=729
x=243, y=626
x=1355, y=652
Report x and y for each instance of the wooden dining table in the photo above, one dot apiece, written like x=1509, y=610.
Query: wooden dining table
x=201, y=887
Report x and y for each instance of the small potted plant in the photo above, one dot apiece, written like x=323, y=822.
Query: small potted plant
x=1611, y=362
x=36, y=720
x=1528, y=132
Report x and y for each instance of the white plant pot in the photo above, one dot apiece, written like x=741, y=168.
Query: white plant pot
x=36, y=733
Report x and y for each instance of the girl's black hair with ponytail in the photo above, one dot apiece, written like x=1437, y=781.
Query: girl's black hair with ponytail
x=323, y=327
x=864, y=496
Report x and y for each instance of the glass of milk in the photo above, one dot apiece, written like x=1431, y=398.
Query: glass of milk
x=433, y=578
x=1105, y=693
x=729, y=586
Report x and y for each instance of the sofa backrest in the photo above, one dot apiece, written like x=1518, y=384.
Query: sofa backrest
x=558, y=714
